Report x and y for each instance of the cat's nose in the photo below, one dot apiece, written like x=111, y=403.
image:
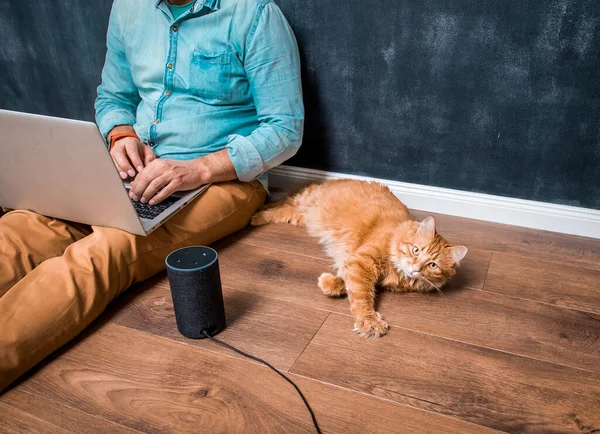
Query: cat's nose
x=415, y=269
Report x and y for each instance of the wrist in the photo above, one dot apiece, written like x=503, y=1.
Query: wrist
x=204, y=170
x=119, y=129
x=120, y=132
x=114, y=138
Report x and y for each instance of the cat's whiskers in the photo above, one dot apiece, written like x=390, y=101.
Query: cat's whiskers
x=438, y=289
x=414, y=277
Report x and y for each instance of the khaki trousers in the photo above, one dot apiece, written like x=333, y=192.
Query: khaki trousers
x=56, y=277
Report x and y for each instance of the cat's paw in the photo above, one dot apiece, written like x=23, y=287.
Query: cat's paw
x=332, y=286
x=259, y=219
x=371, y=327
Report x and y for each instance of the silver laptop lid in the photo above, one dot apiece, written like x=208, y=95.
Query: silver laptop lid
x=61, y=168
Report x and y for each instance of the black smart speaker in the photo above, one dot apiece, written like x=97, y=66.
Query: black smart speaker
x=196, y=291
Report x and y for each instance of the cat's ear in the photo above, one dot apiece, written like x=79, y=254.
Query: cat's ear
x=427, y=227
x=457, y=252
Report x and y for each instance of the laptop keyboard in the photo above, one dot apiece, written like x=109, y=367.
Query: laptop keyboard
x=146, y=211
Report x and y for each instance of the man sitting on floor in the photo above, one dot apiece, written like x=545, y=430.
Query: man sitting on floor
x=196, y=93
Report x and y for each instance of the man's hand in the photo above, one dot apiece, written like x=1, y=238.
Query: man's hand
x=161, y=178
x=131, y=156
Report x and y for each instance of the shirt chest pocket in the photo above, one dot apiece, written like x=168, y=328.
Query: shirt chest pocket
x=210, y=75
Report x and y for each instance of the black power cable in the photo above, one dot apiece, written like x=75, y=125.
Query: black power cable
x=312, y=415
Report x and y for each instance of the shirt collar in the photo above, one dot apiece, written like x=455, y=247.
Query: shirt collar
x=198, y=4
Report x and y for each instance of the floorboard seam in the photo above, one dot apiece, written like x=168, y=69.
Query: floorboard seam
x=471, y=344
x=306, y=346
x=578, y=261
x=388, y=400
x=66, y=406
x=221, y=353
x=545, y=303
x=323, y=258
x=458, y=340
x=487, y=271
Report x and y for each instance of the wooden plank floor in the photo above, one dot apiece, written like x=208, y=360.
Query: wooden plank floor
x=513, y=346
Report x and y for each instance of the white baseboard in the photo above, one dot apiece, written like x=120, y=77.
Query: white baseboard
x=530, y=214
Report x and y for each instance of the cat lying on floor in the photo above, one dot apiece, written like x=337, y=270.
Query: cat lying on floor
x=373, y=241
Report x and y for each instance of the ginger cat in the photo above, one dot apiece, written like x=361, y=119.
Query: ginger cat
x=373, y=241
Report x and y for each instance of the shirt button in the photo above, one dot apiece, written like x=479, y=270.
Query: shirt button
x=170, y=65
x=151, y=144
x=167, y=93
x=175, y=28
x=155, y=121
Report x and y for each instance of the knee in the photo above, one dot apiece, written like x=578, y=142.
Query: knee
x=22, y=215
x=134, y=258
x=115, y=243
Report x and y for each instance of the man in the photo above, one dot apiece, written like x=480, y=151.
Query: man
x=203, y=92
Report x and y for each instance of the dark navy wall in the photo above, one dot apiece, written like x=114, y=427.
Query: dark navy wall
x=493, y=96
x=51, y=55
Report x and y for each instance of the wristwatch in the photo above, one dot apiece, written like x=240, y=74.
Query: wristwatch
x=113, y=138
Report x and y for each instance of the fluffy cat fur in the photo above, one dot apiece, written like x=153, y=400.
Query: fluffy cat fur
x=373, y=241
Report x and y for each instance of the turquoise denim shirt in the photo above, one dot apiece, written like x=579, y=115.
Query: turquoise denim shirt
x=225, y=74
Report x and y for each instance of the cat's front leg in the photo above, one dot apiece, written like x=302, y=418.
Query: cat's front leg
x=360, y=286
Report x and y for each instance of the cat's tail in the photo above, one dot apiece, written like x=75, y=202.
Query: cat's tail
x=278, y=212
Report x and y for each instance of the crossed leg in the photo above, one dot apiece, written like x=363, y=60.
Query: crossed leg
x=58, y=298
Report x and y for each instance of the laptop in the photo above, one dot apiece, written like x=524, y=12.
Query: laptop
x=61, y=168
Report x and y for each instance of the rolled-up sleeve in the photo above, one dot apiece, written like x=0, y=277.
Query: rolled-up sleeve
x=118, y=96
x=272, y=65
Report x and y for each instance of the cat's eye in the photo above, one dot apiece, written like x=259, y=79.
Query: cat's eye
x=415, y=250
x=432, y=265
